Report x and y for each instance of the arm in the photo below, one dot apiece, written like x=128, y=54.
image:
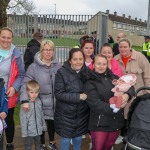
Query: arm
x=23, y=122
x=21, y=72
x=4, y=104
x=24, y=99
x=94, y=101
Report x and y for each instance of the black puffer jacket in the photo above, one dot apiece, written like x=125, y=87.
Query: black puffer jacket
x=99, y=92
x=71, y=113
x=32, y=48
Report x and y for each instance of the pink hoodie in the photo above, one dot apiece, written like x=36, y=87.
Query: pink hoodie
x=115, y=68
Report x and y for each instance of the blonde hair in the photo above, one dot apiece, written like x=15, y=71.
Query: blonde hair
x=125, y=40
x=6, y=29
x=32, y=85
x=48, y=42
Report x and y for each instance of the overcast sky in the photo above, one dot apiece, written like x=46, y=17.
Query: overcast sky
x=134, y=8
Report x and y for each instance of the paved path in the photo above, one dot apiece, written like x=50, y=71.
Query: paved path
x=18, y=141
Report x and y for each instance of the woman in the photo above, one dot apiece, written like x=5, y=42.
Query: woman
x=107, y=51
x=132, y=61
x=104, y=125
x=43, y=70
x=71, y=113
x=12, y=70
x=88, y=48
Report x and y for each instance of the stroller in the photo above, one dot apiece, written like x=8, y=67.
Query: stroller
x=138, y=134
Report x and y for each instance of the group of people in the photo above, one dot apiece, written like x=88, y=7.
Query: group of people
x=70, y=99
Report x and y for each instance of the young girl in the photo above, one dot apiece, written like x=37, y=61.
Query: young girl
x=104, y=125
x=88, y=48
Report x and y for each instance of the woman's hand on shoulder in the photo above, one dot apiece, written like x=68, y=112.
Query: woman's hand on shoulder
x=125, y=98
x=83, y=96
x=25, y=106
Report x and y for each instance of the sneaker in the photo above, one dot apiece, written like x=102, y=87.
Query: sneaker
x=52, y=146
x=90, y=146
x=10, y=146
x=83, y=136
x=43, y=147
x=119, y=140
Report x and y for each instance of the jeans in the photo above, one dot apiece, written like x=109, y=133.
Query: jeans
x=65, y=142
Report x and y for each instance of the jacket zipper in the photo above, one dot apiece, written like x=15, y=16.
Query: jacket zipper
x=99, y=118
x=35, y=118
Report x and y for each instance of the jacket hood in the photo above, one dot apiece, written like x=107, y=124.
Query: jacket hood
x=38, y=60
x=92, y=75
x=33, y=42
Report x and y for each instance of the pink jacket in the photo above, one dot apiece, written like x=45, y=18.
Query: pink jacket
x=115, y=68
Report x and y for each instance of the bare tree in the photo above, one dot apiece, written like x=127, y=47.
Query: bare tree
x=15, y=6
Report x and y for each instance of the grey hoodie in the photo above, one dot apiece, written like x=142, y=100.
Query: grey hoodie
x=32, y=121
x=45, y=76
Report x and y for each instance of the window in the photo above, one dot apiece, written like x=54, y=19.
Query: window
x=119, y=25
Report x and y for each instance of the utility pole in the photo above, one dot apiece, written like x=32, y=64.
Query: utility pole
x=55, y=9
x=148, y=20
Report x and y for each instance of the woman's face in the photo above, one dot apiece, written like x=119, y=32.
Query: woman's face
x=5, y=39
x=47, y=53
x=124, y=49
x=77, y=61
x=88, y=49
x=107, y=51
x=100, y=64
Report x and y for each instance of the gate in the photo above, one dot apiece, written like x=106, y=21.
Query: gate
x=64, y=30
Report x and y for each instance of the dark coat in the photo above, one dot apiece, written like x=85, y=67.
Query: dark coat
x=71, y=113
x=99, y=92
x=116, y=49
x=32, y=48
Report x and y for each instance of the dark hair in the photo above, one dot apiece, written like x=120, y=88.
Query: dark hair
x=74, y=50
x=6, y=29
x=83, y=38
x=38, y=36
x=106, y=45
x=87, y=41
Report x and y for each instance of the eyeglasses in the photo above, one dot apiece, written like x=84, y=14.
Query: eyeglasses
x=48, y=50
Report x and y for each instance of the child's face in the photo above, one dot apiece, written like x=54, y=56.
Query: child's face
x=33, y=95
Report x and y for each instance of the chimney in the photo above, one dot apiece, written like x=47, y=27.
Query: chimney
x=135, y=18
x=129, y=17
x=140, y=20
x=115, y=13
x=123, y=16
x=107, y=11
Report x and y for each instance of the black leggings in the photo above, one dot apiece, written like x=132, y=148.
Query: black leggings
x=51, y=131
x=10, y=130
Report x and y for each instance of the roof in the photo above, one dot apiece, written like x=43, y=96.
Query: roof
x=126, y=20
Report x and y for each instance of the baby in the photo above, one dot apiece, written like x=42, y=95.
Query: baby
x=122, y=85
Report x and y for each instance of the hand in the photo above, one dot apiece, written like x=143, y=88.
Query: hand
x=25, y=107
x=3, y=115
x=10, y=92
x=125, y=98
x=83, y=96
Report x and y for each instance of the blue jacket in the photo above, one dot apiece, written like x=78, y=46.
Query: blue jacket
x=3, y=99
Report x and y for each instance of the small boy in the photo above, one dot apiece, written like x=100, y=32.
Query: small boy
x=32, y=121
x=3, y=111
